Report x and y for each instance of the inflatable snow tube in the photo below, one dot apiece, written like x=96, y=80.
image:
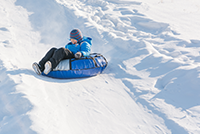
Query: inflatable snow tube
x=76, y=68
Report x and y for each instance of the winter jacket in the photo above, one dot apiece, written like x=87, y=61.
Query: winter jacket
x=84, y=46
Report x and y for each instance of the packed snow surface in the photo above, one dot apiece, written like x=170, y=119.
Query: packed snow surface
x=151, y=84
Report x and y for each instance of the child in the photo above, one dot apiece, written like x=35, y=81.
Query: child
x=79, y=46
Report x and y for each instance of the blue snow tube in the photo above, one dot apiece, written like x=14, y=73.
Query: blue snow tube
x=76, y=68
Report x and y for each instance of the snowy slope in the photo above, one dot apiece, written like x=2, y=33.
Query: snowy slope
x=151, y=84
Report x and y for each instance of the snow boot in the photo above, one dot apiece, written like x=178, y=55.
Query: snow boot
x=36, y=68
x=48, y=67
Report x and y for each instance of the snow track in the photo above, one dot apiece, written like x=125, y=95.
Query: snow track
x=151, y=84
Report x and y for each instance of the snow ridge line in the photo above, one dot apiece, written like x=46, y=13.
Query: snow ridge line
x=12, y=118
x=15, y=48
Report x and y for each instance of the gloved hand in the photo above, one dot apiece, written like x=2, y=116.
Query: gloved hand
x=78, y=55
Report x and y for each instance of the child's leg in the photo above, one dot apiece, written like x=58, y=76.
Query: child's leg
x=46, y=58
x=60, y=54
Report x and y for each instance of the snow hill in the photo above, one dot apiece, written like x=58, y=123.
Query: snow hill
x=151, y=84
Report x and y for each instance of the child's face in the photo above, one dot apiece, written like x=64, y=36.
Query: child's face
x=73, y=41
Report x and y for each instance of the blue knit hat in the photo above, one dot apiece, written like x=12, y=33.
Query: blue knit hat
x=76, y=34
